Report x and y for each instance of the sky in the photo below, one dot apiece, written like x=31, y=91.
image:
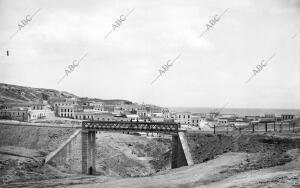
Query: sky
x=210, y=71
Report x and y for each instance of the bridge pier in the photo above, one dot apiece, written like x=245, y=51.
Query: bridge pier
x=174, y=151
x=178, y=158
x=88, y=139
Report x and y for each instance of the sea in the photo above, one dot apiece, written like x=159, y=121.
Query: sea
x=238, y=111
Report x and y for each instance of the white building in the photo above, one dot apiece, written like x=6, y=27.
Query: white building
x=66, y=111
x=195, y=121
x=183, y=117
x=38, y=111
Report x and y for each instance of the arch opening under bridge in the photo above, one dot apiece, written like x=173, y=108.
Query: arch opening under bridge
x=90, y=128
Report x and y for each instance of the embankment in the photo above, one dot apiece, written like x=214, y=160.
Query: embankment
x=266, y=150
x=45, y=139
x=24, y=147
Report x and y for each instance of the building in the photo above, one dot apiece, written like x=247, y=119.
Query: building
x=195, y=121
x=183, y=117
x=72, y=100
x=26, y=111
x=133, y=117
x=98, y=106
x=222, y=121
x=269, y=115
x=65, y=102
x=157, y=115
x=126, y=109
x=109, y=108
x=66, y=111
x=16, y=113
x=38, y=111
x=142, y=113
x=285, y=117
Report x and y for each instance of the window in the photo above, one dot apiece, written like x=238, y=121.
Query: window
x=61, y=110
x=179, y=116
x=188, y=116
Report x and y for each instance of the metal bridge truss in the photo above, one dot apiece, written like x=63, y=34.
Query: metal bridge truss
x=136, y=126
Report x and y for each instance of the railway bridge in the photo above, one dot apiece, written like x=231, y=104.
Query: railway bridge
x=180, y=157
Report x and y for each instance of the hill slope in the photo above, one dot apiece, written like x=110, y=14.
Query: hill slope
x=20, y=94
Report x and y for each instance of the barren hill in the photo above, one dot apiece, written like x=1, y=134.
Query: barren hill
x=18, y=94
x=21, y=94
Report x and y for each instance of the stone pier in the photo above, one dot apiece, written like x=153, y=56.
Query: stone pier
x=88, y=139
x=178, y=158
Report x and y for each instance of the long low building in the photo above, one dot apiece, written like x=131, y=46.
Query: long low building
x=20, y=114
x=35, y=111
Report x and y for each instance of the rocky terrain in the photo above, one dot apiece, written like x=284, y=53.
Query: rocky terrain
x=132, y=156
x=18, y=94
x=124, y=160
x=18, y=164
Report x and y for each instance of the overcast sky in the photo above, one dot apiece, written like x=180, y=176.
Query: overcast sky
x=210, y=72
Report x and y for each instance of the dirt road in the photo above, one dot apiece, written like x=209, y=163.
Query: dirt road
x=185, y=176
x=214, y=174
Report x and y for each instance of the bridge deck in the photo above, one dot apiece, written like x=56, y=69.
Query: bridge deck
x=137, y=126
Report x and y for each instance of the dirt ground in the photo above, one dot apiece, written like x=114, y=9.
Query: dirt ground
x=131, y=156
x=18, y=164
x=232, y=170
x=219, y=172
x=226, y=170
x=137, y=161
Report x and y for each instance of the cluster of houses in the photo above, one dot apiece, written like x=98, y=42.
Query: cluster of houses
x=25, y=111
x=84, y=109
x=81, y=109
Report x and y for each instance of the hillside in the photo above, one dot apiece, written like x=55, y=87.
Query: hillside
x=20, y=94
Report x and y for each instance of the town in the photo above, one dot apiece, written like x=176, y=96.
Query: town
x=121, y=110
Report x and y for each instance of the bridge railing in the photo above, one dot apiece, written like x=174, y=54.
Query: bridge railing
x=260, y=127
x=131, y=126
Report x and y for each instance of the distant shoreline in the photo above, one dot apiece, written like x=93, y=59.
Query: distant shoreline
x=238, y=111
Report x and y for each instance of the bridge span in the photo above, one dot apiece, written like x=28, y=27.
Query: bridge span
x=132, y=126
x=180, y=152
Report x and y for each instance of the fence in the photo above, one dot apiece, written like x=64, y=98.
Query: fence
x=263, y=127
